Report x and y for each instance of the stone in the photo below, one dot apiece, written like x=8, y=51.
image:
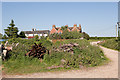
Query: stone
x=4, y=53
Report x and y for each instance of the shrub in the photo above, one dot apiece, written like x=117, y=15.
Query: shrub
x=85, y=35
x=101, y=38
x=55, y=36
x=111, y=43
x=36, y=37
x=84, y=54
x=22, y=34
x=69, y=35
x=1, y=36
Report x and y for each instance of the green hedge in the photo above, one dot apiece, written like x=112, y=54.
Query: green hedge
x=99, y=38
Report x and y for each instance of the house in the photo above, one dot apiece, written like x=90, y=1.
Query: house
x=31, y=34
x=59, y=31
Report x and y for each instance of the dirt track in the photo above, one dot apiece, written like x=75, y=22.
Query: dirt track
x=109, y=70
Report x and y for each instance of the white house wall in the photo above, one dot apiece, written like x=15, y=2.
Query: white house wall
x=30, y=34
x=40, y=34
x=45, y=35
x=27, y=35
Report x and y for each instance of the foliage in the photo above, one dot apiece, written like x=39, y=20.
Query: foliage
x=111, y=43
x=0, y=36
x=85, y=35
x=4, y=37
x=22, y=34
x=55, y=36
x=64, y=28
x=11, y=31
x=36, y=37
x=30, y=42
x=46, y=43
x=42, y=37
x=54, y=58
x=76, y=35
x=48, y=38
x=69, y=35
x=84, y=54
x=101, y=38
x=66, y=35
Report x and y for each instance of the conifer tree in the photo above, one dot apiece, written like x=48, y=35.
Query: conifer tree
x=11, y=31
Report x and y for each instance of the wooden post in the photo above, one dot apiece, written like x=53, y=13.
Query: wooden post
x=116, y=31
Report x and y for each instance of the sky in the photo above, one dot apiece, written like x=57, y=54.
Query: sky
x=96, y=18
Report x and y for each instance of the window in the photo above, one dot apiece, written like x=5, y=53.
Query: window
x=59, y=32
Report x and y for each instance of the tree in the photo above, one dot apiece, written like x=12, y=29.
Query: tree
x=36, y=37
x=4, y=37
x=119, y=35
x=22, y=34
x=64, y=28
x=0, y=36
x=66, y=34
x=11, y=32
x=85, y=35
x=76, y=35
x=55, y=36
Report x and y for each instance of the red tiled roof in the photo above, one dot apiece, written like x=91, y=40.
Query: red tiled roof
x=57, y=28
x=68, y=28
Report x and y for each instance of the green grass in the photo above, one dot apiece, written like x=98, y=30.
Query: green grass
x=112, y=44
x=85, y=55
x=91, y=40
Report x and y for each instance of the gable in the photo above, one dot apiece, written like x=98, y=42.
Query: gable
x=53, y=31
x=75, y=28
x=59, y=30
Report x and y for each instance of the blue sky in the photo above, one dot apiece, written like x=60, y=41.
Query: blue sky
x=96, y=18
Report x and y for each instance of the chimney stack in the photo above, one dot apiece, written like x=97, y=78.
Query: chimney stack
x=66, y=25
x=80, y=26
x=32, y=29
x=53, y=26
x=75, y=25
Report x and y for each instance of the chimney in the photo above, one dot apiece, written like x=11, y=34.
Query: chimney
x=53, y=26
x=66, y=25
x=80, y=26
x=75, y=25
x=32, y=29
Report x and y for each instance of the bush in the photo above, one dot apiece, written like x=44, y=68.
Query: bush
x=55, y=36
x=69, y=35
x=84, y=54
x=101, y=38
x=111, y=43
x=36, y=37
x=28, y=42
x=22, y=34
x=85, y=35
